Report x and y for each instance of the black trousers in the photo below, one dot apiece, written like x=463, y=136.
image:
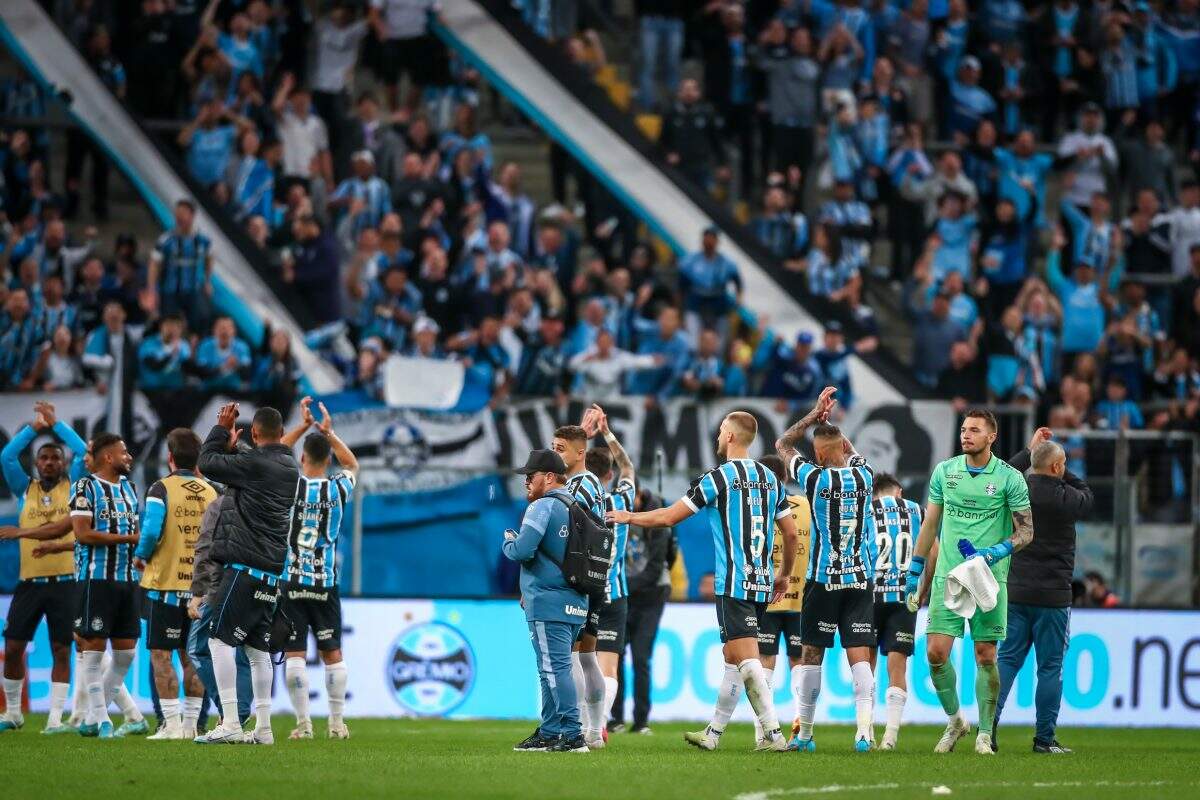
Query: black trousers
x=645, y=612
x=80, y=147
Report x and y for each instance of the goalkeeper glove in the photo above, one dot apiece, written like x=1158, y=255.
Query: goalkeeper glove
x=912, y=583
x=990, y=554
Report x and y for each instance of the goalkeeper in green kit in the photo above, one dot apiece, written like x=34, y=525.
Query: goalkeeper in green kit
x=978, y=508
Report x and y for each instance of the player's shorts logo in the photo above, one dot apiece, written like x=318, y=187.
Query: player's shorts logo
x=431, y=669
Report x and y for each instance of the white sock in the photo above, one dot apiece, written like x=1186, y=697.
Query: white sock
x=191, y=712
x=170, y=711
x=797, y=671
x=895, y=707
x=580, y=690
x=610, y=697
x=593, y=696
x=12, y=697
x=806, y=701
x=727, y=699
x=864, y=703
x=758, y=692
x=335, y=688
x=758, y=731
x=225, y=671
x=295, y=674
x=93, y=673
x=114, y=684
x=261, y=673
x=79, y=698
x=58, y=699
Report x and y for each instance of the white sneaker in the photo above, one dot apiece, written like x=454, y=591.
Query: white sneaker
x=189, y=732
x=171, y=730
x=261, y=736
x=706, y=739
x=338, y=730
x=983, y=744
x=222, y=735
x=890, y=735
x=773, y=742
x=11, y=721
x=594, y=741
x=303, y=730
x=956, y=729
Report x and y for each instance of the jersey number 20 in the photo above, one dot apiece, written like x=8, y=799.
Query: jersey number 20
x=903, y=551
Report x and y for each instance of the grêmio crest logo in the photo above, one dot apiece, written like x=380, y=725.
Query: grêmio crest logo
x=431, y=669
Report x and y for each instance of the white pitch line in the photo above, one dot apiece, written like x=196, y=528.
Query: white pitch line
x=837, y=788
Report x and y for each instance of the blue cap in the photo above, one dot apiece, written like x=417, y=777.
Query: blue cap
x=804, y=337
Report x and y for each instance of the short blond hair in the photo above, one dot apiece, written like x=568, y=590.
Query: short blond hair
x=744, y=425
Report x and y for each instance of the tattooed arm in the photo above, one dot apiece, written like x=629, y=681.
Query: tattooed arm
x=621, y=459
x=1022, y=533
x=786, y=444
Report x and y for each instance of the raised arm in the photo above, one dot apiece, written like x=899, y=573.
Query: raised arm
x=625, y=468
x=219, y=459
x=10, y=459
x=340, y=451
x=69, y=437
x=786, y=444
x=306, y=421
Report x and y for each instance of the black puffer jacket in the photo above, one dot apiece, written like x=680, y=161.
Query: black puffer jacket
x=253, y=527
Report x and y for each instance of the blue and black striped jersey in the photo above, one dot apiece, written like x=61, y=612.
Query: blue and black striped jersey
x=184, y=261
x=316, y=521
x=110, y=508
x=621, y=499
x=742, y=499
x=897, y=523
x=587, y=489
x=843, y=527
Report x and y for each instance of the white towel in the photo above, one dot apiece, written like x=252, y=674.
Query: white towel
x=971, y=585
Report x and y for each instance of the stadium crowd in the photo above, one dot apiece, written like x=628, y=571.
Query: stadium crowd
x=1046, y=259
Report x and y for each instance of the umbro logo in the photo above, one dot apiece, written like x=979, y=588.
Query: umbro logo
x=193, y=486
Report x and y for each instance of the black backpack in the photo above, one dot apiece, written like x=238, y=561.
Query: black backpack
x=588, y=555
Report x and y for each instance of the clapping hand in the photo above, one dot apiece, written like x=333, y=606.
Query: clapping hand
x=227, y=416
x=325, y=426
x=1039, y=436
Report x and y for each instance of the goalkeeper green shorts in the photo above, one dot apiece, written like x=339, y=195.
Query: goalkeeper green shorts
x=986, y=626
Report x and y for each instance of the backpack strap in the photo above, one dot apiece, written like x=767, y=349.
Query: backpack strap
x=568, y=503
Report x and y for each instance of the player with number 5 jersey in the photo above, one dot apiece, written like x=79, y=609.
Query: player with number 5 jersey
x=742, y=501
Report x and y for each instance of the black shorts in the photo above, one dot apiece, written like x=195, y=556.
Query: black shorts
x=167, y=625
x=315, y=608
x=417, y=56
x=32, y=600
x=895, y=628
x=848, y=612
x=739, y=619
x=772, y=625
x=245, y=610
x=108, y=609
x=610, y=629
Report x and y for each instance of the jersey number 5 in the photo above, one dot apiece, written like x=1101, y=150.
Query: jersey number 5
x=758, y=536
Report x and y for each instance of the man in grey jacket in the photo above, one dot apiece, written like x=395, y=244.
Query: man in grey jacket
x=206, y=574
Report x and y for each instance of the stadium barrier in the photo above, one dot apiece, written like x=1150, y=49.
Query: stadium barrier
x=471, y=659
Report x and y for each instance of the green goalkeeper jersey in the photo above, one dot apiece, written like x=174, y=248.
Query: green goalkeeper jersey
x=977, y=508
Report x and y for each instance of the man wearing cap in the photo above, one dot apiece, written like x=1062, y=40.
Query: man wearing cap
x=970, y=104
x=1090, y=155
x=365, y=197
x=705, y=278
x=554, y=611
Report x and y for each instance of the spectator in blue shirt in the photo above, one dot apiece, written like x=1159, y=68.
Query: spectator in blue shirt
x=1157, y=70
x=833, y=360
x=392, y=304
x=1116, y=411
x=704, y=377
x=1023, y=175
x=780, y=230
x=1082, y=301
x=364, y=198
x=1118, y=63
x=706, y=278
x=832, y=273
x=933, y=336
x=792, y=375
x=1004, y=249
x=1125, y=350
x=955, y=232
x=970, y=104
x=162, y=356
x=671, y=344
x=222, y=359
x=484, y=356
x=239, y=49
x=276, y=373
x=19, y=341
x=209, y=141
x=1093, y=236
x=251, y=181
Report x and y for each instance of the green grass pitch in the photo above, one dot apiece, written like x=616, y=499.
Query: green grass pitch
x=418, y=758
